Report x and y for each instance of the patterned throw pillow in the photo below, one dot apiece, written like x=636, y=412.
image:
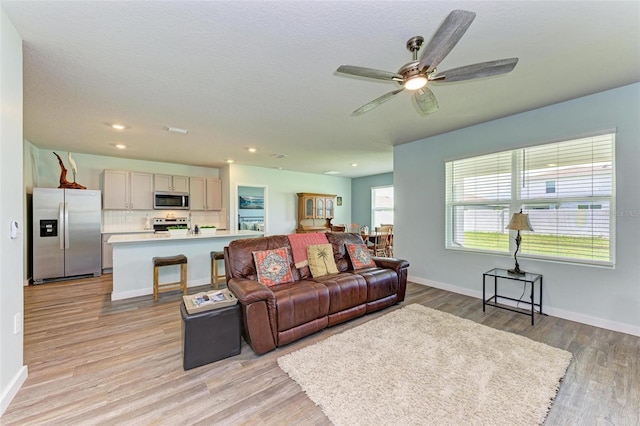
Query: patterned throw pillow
x=321, y=260
x=359, y=255
x=272, y=266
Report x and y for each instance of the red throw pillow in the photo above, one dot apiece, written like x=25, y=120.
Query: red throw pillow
x=359, y=255
x=272, y=266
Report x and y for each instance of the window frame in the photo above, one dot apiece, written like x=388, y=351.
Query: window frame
x=517, y=202
x=375, y=209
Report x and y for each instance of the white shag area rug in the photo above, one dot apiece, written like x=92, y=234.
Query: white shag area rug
x=420, y=366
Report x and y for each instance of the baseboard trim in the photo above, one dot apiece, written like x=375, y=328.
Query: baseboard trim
x=13, y=388
x=554, y=312
x=146, y=291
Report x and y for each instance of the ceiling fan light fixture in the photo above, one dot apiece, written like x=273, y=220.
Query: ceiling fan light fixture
x=416, y=82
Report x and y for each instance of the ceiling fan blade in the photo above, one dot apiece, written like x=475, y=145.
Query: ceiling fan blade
x=374, y=103
x=482, y=69
x=445, y=39
x=426, y=100
x=369, y=73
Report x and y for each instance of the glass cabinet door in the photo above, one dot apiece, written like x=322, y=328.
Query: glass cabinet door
x=319, y=208
x=329, y=208
x=308, y=208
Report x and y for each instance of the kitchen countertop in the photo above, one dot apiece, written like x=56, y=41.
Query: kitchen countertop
x=127, y=231
x=159, y=237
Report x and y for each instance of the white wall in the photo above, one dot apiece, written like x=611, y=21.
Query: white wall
x=606, y=297
x=12, y=371
x=281, y=200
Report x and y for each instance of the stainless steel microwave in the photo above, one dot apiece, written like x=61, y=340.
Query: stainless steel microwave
x=171, y=200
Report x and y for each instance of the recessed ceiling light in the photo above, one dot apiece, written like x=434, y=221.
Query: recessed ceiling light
x=331, y=172
x=354, y=164
x=121, y=146
x=176, y=130
x=118, y=126
x=252, y=149
x=229, y=161
x=278, y=155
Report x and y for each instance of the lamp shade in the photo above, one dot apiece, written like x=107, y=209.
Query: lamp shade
x=520, y=222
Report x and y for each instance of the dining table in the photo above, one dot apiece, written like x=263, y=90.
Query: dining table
x=373, y=237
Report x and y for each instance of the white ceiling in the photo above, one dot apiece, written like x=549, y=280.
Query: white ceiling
x=261, y=74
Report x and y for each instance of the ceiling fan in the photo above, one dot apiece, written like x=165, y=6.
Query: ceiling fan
x=416, y=75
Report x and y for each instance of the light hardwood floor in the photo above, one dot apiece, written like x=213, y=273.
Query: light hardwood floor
x=93, y=361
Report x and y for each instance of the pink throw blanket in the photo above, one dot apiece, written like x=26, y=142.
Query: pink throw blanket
x=299, y=243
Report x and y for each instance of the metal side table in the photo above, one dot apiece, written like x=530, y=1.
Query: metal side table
x=498, y=273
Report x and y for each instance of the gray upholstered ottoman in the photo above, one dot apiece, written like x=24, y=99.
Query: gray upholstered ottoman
x=210, y=336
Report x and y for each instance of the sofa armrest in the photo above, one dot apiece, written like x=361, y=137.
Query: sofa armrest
x=401, y=267
x=391, y=263
x=258, y=306
x=249, y=291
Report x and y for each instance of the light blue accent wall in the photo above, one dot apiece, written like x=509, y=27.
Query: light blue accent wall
x=361, y=196
x=607, y=297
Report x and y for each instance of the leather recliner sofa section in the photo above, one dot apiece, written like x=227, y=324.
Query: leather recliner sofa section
x=277, y=315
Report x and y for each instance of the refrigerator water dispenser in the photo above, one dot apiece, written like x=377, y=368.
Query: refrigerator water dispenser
x=48, y=228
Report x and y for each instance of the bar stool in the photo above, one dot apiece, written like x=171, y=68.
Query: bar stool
x=216, y=277
x=159, y=262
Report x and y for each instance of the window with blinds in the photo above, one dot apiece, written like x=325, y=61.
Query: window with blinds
x=566, y=188
x=381, y=205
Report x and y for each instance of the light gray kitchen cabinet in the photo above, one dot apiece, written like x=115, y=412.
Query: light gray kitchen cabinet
x=107, y=252
x=124, y=190
x=214, y=194
x=205, y=193
x=168, y=183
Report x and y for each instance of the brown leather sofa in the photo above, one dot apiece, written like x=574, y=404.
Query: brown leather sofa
x=278, y=315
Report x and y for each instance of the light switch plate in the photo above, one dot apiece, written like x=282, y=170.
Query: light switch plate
x=17, y=323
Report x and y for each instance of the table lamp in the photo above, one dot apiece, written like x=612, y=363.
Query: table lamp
x=519, y=222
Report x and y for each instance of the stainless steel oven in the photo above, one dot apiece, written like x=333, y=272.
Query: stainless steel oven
x=162, y=224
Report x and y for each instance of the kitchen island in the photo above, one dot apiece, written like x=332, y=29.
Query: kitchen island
x=133, y=254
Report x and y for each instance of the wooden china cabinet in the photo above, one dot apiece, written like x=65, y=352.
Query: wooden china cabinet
x=315, y=212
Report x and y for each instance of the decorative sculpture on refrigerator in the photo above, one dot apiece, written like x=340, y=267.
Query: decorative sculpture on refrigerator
x=64, y=183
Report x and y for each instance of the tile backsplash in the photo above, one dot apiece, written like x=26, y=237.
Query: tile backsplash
x=134, y=220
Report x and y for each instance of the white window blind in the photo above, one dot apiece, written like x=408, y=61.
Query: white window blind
x=382, y=203
x=478, y=196
x=567, y=188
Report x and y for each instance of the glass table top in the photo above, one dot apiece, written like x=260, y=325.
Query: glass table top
x=504, y=273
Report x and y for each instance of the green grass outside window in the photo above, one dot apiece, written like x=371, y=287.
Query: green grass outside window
x=596, y=248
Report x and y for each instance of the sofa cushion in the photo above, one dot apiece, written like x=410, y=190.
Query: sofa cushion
x=339, y=239
x=359, y=256
x=272, y=266
x=239, y=255
x=346, y=291
x=300, y=302
x=380, y=282
x=320, y=257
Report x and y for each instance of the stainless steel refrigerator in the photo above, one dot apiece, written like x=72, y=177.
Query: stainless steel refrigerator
x=66, y=233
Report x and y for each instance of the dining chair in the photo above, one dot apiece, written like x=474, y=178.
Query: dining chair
x=382, y=241
x=353, y=227
x=389, y=237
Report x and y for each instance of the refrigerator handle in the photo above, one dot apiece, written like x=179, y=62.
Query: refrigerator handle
x=66, y=225
x=60, y=222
